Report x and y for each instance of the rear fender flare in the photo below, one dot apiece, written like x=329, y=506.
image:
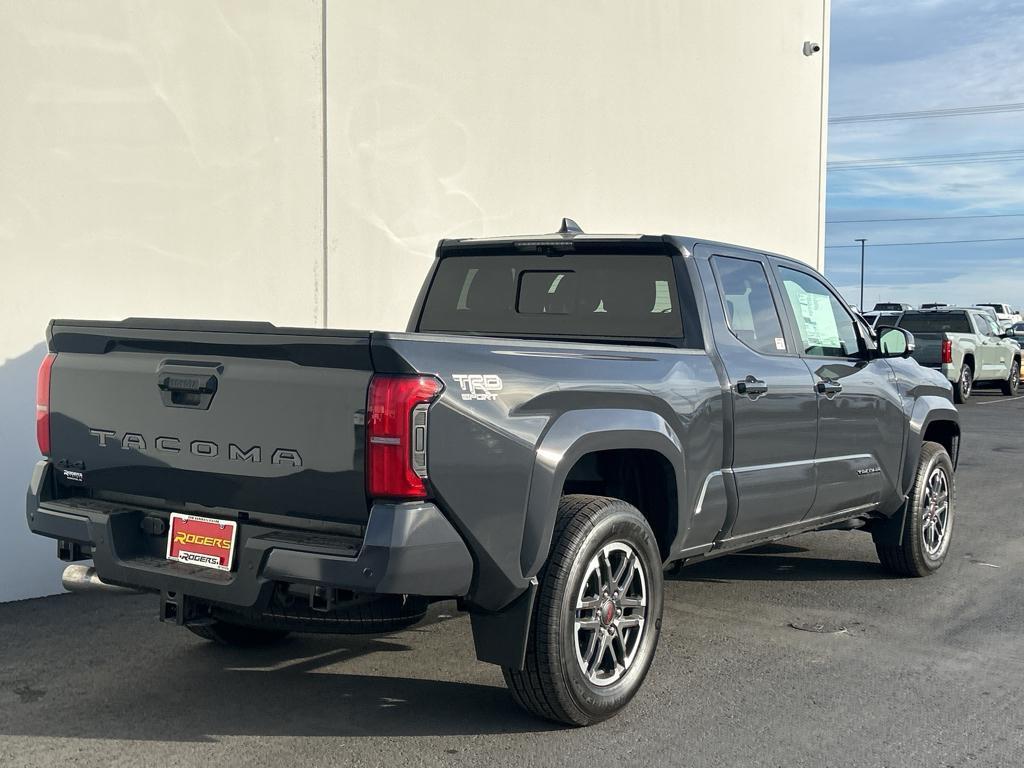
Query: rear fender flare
x=573, y=435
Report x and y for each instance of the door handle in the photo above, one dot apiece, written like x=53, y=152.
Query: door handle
x=829, y=388
x=751, y=387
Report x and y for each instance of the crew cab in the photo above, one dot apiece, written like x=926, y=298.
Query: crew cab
x=567, y=416
x=967, y=347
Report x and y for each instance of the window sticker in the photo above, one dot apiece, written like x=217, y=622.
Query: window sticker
x=780, y=343
x=815, y=317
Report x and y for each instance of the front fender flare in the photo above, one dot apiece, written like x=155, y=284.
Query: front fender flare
x=928, y=409
x=573, y=435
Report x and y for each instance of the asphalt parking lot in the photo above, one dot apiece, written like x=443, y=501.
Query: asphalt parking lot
x=927, y=672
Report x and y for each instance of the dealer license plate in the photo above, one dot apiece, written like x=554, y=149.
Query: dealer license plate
x=202, y=541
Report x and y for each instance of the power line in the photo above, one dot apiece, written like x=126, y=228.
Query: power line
x=956, y=158
x=886, y=166
x=995, y=153
x=986, y=109
x=987, y=152
x=925, y=218
x=934, y=242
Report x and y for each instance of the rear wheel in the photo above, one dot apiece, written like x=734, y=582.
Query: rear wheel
x=929, y=516
x=1012, y=383
x=597, y=614
x=962, y=388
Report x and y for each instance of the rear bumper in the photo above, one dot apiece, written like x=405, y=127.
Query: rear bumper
x=409, y=548
x=948, y=370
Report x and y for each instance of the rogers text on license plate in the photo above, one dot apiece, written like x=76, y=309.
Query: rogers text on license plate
x=202, y=541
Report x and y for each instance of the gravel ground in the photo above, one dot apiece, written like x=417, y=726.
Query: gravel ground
x=928, y=672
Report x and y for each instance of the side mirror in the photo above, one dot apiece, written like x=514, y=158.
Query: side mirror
x=895, y=342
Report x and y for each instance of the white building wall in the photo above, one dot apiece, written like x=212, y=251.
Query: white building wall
x=156, y=158
x=166, y=159
x=700, y=118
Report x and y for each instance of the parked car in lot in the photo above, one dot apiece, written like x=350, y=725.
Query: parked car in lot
x=966, y=346
x=891, y=306
x=934, y=305
x=566, y=416
x=1005, y=314
x=875, y=319
x=1016, y=332
x=994, y=317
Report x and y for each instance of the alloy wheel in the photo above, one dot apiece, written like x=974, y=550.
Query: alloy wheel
x=611, y=613
x=965, y=383
x=935, y=513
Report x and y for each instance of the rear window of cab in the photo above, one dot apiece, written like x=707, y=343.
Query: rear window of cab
x=573, y=295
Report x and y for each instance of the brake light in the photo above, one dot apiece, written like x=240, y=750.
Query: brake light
x=396, y=435
x=43, y=404
x=947, y=351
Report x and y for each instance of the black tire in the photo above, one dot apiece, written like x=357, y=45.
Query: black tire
x=962, y=387
x=237, y=635
x=553, y=683
x=915, y=556
x=1012, y=383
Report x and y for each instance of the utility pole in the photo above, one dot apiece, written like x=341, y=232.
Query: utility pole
x=861, y=240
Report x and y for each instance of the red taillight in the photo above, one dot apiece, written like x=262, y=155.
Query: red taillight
x=396, y=433
x=947, y=351
x=43, y=404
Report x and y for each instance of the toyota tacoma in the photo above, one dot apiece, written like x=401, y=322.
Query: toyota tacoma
x=567, y=417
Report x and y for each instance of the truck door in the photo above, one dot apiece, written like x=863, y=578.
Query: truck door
x=861, y=421
x=774, y=408
x=994, y=354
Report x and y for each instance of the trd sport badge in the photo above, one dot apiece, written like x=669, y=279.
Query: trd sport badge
x=478, y=386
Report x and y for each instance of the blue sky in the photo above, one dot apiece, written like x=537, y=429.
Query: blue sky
x=908, y=55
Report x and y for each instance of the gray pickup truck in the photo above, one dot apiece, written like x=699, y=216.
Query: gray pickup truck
x=567, y=416
x=967, y=347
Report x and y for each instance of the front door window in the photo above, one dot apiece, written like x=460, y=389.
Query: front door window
x=826, y=327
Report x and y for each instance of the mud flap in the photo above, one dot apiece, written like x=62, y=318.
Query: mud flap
x=500, y=637
x=889, y=531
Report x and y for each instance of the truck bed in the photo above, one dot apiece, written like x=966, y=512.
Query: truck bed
x=928, y=348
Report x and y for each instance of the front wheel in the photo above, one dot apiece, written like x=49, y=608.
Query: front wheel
x=1012, y=383
x=597, y=614
x=929, y=516
x=963, y=385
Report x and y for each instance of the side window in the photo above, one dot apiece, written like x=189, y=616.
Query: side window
x=826, y=327
x=749, y=306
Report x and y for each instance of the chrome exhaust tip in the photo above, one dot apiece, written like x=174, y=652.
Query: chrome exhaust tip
x=83, y=578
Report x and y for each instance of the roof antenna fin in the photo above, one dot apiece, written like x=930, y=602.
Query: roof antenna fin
x=569, y=227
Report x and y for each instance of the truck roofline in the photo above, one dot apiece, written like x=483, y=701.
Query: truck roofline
x=685, y=244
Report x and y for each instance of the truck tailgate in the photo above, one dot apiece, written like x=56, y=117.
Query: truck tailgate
x=244, y=416
x=928, y=348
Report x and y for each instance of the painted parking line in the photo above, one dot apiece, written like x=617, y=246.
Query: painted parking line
x=1004, y=400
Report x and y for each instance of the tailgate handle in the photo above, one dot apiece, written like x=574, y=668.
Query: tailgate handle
x=182, y=387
